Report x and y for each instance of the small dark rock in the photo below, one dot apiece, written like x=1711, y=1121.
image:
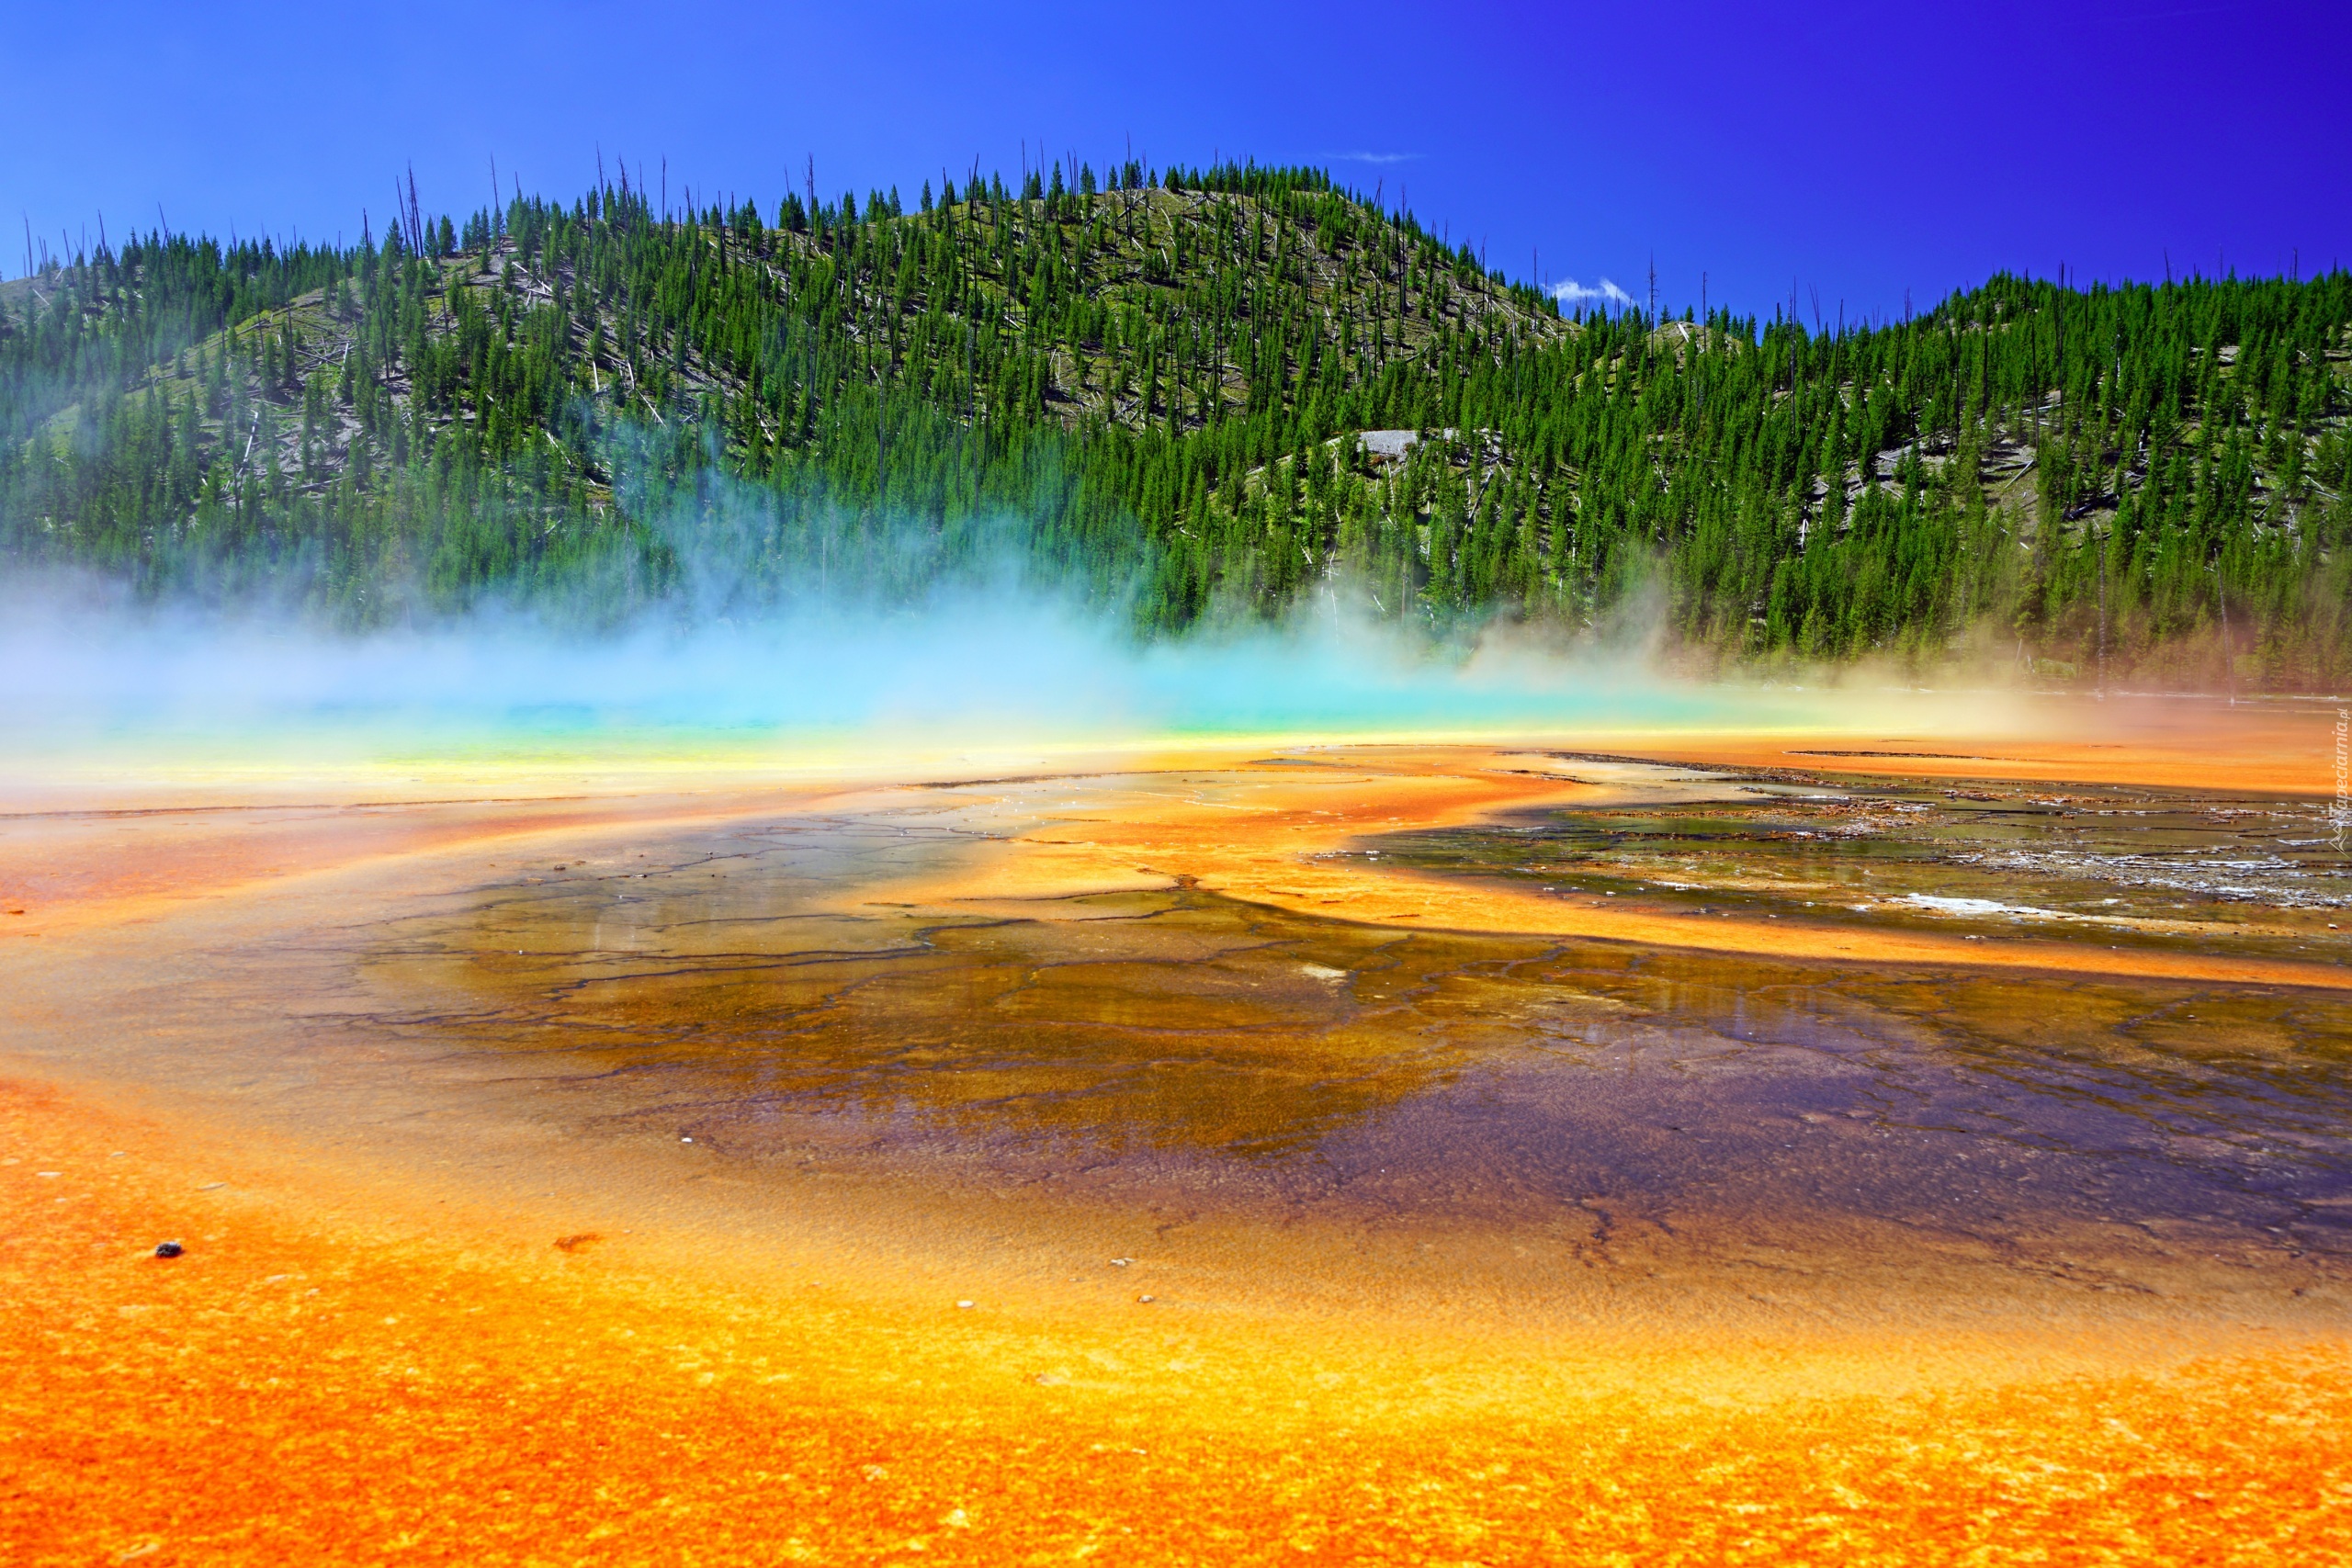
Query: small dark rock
x=169, y=1249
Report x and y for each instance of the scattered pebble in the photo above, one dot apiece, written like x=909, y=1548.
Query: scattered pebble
x=1121, y=1262
x=685, y=1140
x=1144, y=1299
x=169, y=1249
x=967, y=1305
x=209, y=1185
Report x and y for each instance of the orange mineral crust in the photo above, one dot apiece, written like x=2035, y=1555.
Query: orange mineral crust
x=1846, y=1148
x=301, y=1386
x=64, y=868
x=1268, y=834
x=2283, y=746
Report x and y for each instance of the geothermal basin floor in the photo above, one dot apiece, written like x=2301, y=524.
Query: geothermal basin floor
x=1447, y=1153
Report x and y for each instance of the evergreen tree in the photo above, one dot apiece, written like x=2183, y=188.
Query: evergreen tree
x=1165, y=381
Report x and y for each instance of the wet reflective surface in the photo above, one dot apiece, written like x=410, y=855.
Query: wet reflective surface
x=1599, y=1108
x=2156, y=869
x=1225, y=1160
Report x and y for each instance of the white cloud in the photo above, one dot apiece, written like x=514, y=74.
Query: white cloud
x=1569, y=291
x=1373, y=157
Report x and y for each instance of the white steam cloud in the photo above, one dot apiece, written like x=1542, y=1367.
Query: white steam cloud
x=893, y=640
x=1569, y=291
x=965, y=671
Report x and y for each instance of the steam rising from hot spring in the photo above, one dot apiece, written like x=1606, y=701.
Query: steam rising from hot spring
x=959, y=668
x=966, y=671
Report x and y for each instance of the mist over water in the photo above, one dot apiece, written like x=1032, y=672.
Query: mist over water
x=786, y=629
x=962, y=667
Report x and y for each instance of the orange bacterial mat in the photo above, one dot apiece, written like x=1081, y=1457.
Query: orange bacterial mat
x=1418, y=1154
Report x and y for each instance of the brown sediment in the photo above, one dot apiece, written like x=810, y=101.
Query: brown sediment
x=428, y=1318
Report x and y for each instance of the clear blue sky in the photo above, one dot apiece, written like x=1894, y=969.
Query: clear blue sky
x=1856, y=151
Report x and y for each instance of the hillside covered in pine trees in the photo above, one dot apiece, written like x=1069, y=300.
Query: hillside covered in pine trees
x=1192, y=395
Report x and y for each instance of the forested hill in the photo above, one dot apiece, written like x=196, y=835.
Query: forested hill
x=1198, y=395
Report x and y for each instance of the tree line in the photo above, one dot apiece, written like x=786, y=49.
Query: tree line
x=1153, y=387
